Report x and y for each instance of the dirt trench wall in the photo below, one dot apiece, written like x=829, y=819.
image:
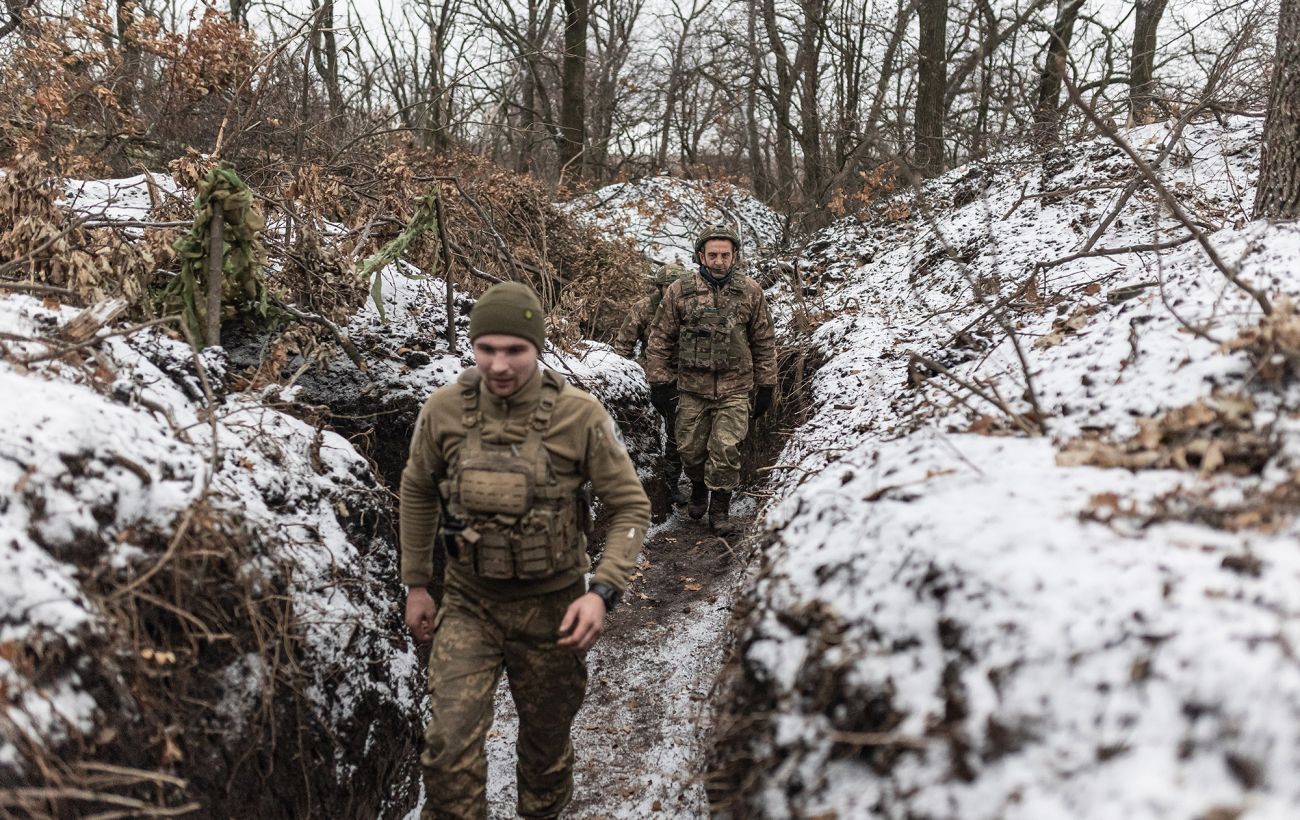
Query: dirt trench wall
x=227, y=641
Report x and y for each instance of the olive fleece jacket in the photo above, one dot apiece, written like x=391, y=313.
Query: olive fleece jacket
x=582, y=442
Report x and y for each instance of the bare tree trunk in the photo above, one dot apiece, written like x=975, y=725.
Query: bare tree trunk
x=216, y=275
x=239, y=11
x=1278, y=196
x=1047, y=113
x=1146, y=21
x=810, y=136
x=757, y=165
x=325, y=55
x=782, y=100
x=573, y=108
x=932, y=81
x=130, y=53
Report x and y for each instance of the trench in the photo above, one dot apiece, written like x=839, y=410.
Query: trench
x=646, y=727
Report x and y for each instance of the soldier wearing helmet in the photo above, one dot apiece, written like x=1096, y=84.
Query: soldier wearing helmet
x=716, y=326
x=635, y=331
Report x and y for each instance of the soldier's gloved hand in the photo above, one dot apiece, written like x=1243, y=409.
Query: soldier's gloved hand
x=661, y=396
x=763, y=399
x=420, y=612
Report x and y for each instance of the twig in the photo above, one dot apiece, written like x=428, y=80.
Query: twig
x=1147, y=248
x=138, y=774
x=1019, y=420
x=1170, y=201
x=32, y=287
x=339, y=336
x=56, y=352
x=20, y=797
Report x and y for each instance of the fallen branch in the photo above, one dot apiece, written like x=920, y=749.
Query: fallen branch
x=339, y=336
x=1166, y=196
x=1017, y=418
x=33, y=287
x=879, y=739
x=1147, y=248
x=56, y=352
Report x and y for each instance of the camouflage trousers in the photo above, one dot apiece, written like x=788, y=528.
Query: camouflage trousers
x=672, y=458
x=474, y=640
x=709, y=433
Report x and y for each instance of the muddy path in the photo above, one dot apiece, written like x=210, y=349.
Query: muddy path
x=644, y=727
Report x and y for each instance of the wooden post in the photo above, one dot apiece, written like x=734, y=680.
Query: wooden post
x=444, y=247
x=216, y=260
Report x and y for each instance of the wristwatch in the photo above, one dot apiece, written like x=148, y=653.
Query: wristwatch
x=608, y=594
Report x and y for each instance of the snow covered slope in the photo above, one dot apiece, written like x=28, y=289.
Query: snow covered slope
x=245, y=577
x=960, y=620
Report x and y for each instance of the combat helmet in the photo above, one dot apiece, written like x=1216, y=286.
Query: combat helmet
x=717, y=231
x=667, y=274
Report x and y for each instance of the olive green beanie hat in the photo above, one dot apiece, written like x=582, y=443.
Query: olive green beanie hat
x=511, y=308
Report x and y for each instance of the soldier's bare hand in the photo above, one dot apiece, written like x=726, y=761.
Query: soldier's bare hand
x=583, y=623
x=420, y=611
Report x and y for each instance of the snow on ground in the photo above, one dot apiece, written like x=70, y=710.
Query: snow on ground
x=100, y=461
x=663, y=215
x=954, y=622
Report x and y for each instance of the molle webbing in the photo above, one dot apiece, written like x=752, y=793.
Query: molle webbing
x=711, y=338
x=533, y=540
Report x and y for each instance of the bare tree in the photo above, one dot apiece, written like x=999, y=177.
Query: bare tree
x=573, y=91
x=325, y=53
x=1146, y=22
x=1278, y=196
x=1047, y=112
x=932, y=71
x=612, y=26
x=684, y=20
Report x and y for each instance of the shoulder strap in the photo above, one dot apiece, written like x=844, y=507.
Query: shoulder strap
x=552, y=386
x=690, y=289
x=469, y=382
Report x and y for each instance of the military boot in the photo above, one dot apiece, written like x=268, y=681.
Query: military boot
x=699, y=500
x=672, y=477
x=720, y=513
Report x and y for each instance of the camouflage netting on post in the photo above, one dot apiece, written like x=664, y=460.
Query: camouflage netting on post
x=243, y=291
x=425, y=219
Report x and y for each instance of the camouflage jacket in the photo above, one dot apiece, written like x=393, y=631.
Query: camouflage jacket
x=723, y=337
x=635, y=328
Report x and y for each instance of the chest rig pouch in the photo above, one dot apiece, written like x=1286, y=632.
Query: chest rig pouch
x=712, y=338
x=520, y=522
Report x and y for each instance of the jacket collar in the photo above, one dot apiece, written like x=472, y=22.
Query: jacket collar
x=716, y=284
x=522, y=401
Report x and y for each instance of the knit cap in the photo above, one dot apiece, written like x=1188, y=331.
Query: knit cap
x=511, y=308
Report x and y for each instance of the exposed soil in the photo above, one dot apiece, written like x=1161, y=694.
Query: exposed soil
x=644, y=729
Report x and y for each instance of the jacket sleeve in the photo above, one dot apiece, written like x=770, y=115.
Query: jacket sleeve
x=664, y=328
x=615, y=483
x=762, y=340
x=420, y=509
x=630, y=332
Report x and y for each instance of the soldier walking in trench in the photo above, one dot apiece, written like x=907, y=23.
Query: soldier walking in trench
x=718, y=324
x=497, y=465
x=636, y=330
